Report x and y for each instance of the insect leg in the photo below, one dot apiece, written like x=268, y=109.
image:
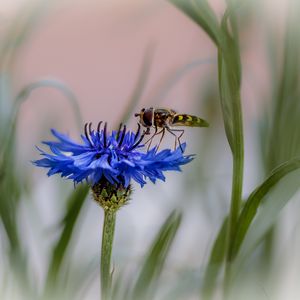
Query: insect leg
x=177, y=138
x=148, y=132
x=161, y=138
x=155, y=133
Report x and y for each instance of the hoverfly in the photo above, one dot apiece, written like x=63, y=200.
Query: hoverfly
x=164, y=119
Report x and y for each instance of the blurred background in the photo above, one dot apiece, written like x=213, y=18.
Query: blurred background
x=84, y=61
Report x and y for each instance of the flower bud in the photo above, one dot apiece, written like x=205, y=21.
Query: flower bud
x=110, y=196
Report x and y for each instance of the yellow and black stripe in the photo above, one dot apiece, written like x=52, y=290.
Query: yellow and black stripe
x=188, y=120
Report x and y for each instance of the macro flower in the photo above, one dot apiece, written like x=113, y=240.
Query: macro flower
x=114, y=157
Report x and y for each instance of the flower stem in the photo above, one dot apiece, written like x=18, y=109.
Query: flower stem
x=107, y=241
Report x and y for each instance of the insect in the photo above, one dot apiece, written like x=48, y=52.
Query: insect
x=164, y=119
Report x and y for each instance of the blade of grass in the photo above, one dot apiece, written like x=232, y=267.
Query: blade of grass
x=9, y=181
x=230, y=85
x=229, y=68
x=257, y=198
x=201, y=13
x=217, y=257
x=22, y=26
x=153, y=264
x=78, y=277
x=122, y=286
x=250, y=207
x=286, y=98
x=273, y=203
x=10, y=191
x=5, y=104
x=283, y=141
x=75, y=204
x=24, y=94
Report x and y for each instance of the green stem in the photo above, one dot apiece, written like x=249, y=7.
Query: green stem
x=107, y=241
x=236, y=196
x=237, y=186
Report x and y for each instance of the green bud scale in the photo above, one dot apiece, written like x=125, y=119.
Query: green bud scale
x=111, y=196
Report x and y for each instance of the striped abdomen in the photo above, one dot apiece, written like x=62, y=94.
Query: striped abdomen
x=188, y=120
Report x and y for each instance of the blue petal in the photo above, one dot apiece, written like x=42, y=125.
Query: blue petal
x=84, y=159
x=118, y=163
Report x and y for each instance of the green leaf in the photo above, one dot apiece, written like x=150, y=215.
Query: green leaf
x=77, y=279
x=50, y=83
x=272, y=195
x=226, y=106
x=201, y=13
x=22, y=26
x=217, y=257
x=23, y=96
x=229, y=68
x=121, y=286
x=152, y=267
x=286, y=96
x=75, y=203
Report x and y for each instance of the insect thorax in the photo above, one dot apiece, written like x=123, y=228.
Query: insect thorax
x=162, y=118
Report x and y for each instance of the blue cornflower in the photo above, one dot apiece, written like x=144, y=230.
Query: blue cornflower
x=115, y=158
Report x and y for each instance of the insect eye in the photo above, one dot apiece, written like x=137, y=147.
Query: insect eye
x=143, y=109
x=147, y=117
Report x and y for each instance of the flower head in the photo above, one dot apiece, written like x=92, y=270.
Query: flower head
x=115, y=157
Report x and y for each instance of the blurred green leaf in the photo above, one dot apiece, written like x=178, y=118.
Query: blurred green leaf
x=153, y=264
x=230, y=83
x=8, y=138
x=201, y=13
x=121, y=286
x=226, y=38
x=185, y=286
x=284, y=140
x=217, y=257
x=11, y=182
x=23, y=25
x=75, y=203
x=271, y=195
x=229, y=66
x=5, y=105
x=49, y=83
x=225, y=95
x=279, y=139
x=77, y=278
